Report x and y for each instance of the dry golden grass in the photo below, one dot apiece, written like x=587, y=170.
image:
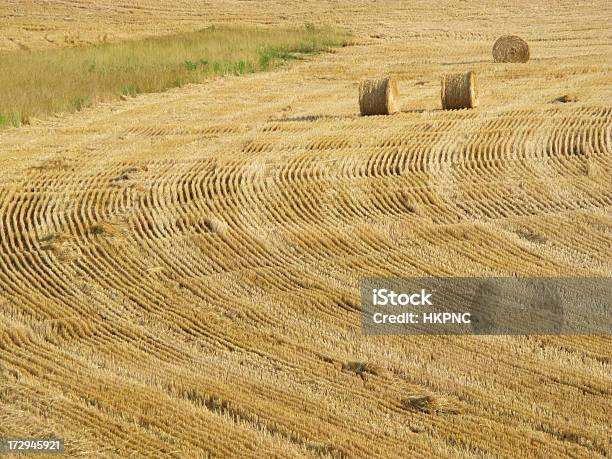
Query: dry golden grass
x=222, y=318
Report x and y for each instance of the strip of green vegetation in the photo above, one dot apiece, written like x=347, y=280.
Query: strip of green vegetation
x=35, y=84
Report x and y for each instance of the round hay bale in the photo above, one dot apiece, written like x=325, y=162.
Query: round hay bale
x=510, y=48
x=459, y=90
x=378, y=97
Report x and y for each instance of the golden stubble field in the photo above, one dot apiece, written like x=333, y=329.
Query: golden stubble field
x=179, y=272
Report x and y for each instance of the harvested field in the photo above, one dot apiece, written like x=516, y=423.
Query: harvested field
x=179, y=271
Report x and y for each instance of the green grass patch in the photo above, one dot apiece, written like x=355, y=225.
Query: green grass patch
x=70, y=79
x=13, y=119
x=130, y=90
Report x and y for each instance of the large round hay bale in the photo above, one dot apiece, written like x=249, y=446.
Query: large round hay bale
x=510, y=48
x=459, y=90
x=378, y=97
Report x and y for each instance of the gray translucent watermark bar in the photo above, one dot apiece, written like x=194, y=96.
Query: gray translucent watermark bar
x=487, y=306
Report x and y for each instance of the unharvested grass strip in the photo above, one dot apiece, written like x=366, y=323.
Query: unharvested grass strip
x=35, y=84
